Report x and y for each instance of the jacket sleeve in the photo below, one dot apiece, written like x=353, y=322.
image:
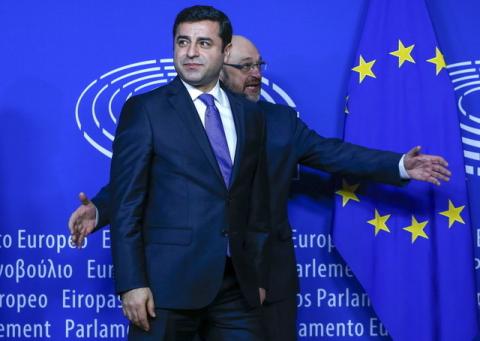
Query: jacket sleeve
x=102, y=203
x=336, y=156
x=129, y=173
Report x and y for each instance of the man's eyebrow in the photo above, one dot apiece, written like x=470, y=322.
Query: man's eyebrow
x=205, y=38
x=183, y=37
x=250, y=59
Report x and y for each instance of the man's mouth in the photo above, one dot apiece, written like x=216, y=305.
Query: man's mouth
x=192, y=66
x=252, y=86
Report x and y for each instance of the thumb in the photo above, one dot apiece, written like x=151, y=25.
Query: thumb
x=83, y=198
x=151, y=306
x=414, y=151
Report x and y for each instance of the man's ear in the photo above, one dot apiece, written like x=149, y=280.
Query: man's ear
x=226, y=52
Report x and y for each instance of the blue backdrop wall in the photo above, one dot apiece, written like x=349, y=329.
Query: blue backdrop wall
x=58, y=59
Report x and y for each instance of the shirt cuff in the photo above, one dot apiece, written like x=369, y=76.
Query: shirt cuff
x=401, y=168
x=96, y=216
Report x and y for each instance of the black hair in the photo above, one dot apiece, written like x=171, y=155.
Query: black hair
x=200, y=13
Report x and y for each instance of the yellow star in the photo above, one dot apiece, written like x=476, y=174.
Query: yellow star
x=364, y=69
x=438, y=61
x=348, y=192
x=379, y=222
x=417, y=229
x=453, y=214
x=346, y=105
x=403, y=53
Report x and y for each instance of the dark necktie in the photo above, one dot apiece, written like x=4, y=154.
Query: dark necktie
x=216, y=136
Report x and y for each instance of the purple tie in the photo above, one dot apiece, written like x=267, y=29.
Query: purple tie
x=216, y=136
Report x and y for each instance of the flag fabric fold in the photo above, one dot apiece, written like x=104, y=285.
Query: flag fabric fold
x=411, y=248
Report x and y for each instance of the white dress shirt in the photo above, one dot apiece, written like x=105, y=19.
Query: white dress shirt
x=223, y=106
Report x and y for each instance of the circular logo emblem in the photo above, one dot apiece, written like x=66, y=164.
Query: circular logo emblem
x=466, y=81
x=99, y=105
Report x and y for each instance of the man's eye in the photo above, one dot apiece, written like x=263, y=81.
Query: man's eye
x=182, y=42
x=247, y=66
x=205, y=43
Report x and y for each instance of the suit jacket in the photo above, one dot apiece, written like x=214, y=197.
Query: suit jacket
x=171, y=213
x=290, y=142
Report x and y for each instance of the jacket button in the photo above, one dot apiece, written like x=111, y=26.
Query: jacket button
x=225, y=232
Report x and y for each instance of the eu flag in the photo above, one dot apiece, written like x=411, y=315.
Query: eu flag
x=411, y=248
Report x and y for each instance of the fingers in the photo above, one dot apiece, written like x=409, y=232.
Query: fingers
x=75, y=221
x=82, y=221
x=440, y=160
x=75, y=225
x=83, y=198
x=71, y=221
x=263, y=294
x=432, y=174
x=437, y=172
x=80, y=238
x=429, y=168
x=142, y=317
x=434, y=159
x=433, y=180
x=441, y=172
x=134, y=305
x=414, y=151
x=133, y=312
x=439, y=177
x=151, y=306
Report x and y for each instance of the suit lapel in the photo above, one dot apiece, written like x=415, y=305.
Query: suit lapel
x=238, y=118
x=183, y=104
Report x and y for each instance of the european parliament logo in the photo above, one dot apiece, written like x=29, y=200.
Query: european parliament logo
x=99, y=104
x=466, y=81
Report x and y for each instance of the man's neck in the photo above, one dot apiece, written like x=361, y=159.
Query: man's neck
x=203, y=88
x=195, y=91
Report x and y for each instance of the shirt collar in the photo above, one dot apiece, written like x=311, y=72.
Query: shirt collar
x=216, y=92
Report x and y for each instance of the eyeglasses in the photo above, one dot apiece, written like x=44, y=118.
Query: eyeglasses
x=247, y=67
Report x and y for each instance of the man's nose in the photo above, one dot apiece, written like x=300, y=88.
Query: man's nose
x=192, y=50
x=255, y=71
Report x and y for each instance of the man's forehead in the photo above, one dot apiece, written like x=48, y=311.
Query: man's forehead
x=244, y=51
x=245, y=56
x=195, y=27
x=250, y=58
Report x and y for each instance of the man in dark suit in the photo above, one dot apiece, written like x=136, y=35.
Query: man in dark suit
x=289, y=142
x=189, y=197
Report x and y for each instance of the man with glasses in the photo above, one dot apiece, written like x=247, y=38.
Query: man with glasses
x=289, y=143
x=245, y=76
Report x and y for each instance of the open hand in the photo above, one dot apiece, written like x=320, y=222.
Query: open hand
x=82, y=221
x=425, y=167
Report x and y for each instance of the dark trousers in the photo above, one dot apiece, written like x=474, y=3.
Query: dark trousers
x=279, y=319
x=227, y=318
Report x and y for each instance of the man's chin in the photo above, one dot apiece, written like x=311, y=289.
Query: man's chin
x=252, y=96
x=191, y=77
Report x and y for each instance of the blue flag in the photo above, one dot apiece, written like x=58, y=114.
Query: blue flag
x=459, y=33
x=411, y=248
